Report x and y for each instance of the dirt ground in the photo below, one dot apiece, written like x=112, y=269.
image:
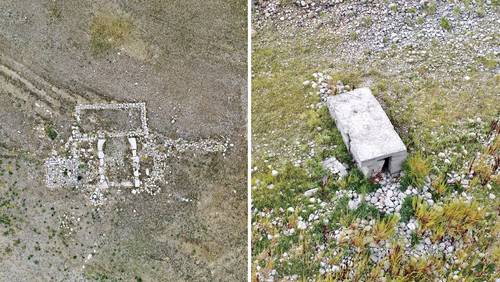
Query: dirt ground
x=187, y=61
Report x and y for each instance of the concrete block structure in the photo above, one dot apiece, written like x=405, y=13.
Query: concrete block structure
x=367, y=132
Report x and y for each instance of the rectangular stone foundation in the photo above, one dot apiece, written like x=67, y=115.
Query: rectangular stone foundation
x=367, y=131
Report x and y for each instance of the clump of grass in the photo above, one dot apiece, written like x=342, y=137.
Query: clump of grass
x=483, y=167
x=49, y=130
x=445, y=24
x=416, y=168
x=366, y=21
x=107, y=30
x=353, y=36
x=480, y=13
x=406, y=211
x=381, y=86
x=357, y=181
x=455, y=217
x=384, y=228
x=440, y=186
x=430, y=9
x=423, y=213
x=415, y=240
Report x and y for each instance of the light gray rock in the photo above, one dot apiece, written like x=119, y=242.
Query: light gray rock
x=334, y=166
x=353, y=205
x=389, y=203
x=310, y=192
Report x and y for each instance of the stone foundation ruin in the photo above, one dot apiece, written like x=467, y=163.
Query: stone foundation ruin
x=111, y=146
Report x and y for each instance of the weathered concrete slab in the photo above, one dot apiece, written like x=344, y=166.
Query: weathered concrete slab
x=367, y=131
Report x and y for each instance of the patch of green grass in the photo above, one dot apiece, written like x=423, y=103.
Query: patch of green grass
x=353, y=36
x=365, y=211
x=489, y=61
x=290, y=181
x=406, y=211
x=445, y=24
x=108, y=30
x=312, y=119
x=480, y=13
x=299, y=266
x=415, y=240
x=357, y=181
x=49, y=130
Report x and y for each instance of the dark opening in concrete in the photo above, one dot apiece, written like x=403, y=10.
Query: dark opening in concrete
x=386, y=164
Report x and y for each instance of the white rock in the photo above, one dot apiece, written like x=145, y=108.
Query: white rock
x=492, y=196
x=441, y=155
x=310, y=192
x=291, y=209
x=305, y=83
x=390, y=194
x=389, y=203
x=301, y=225
x=312, y=200
x=352, y=205
x=274, y=172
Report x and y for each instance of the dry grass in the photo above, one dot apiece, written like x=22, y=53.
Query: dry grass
x=384, y=228
x=416, y=168
x=454, y=217
x=440, y=186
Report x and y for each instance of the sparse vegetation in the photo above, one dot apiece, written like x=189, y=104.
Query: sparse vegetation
x=366, y=21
